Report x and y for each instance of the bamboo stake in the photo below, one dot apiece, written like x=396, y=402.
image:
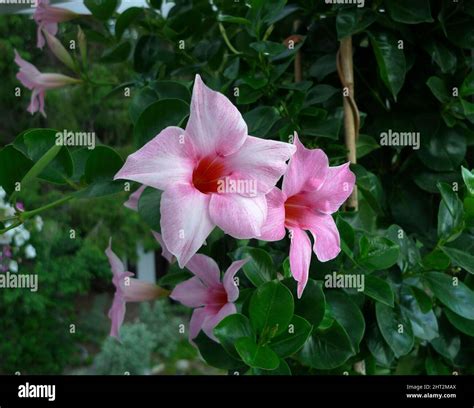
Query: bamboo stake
x=351, y=113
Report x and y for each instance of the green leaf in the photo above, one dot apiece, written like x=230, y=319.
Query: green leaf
x=261, y=119
x=214, y=354
x=232, y=328
x=459, y=257
x=319, y=94
x=461, y=323
x=442, y=149
x=468, y=177
x=41, y=164
x=377, y=253
x=259, y=269
x=448, y=343
x=458, y=298
x=38, y=142
x=125, y=19
x=327, y=349
x=255, y=355
x=149, y=208
x=102, y=9
x=365, y=145
x=436, y=260
x=379, y=290
x=223, y=18
x=312, y=304
x=379, y=348
x=271, y=309
x=410, y=12
x=442, y=55
x=390, y=60
x=102, y=164
x=409, y=256
x=450, y=214
x=142, y=98
x=348, y=315
x=282, y=369
x=118, y=53
x=158, y=116
x=323, y=66
x=14, y=165
x=439, y=89
x=290, y=341
x=171, y=90
x=395, y=329
x=100, y=188
x=352, y=20
x=424, y=301
x=467, y=87
x=424, y=324
x=435, y=366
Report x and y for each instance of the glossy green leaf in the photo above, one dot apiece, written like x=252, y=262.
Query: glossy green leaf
x=271, y=309
x=232, y=328
x=256, y=355
x=379, y=290
x=259, y=269
x=291, y=340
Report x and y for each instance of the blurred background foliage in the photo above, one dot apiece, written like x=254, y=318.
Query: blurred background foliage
x=412, y=235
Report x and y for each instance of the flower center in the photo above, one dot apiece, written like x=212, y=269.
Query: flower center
x=217, y=296
x=294, y=211
x=208, y=173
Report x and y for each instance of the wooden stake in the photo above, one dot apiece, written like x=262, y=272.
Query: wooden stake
x=351, y=113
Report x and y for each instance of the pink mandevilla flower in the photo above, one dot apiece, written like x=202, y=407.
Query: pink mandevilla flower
x=127, y=289
x=211, y=299
x=39, y=83
x=48, y=17
x=194, y=166
x=312, y=191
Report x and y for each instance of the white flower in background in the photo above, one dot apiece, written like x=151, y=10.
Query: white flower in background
x=30, y=252
x=38, y=223
x=166, y=6
x=2, y=193
x=6, y=239
x=13, y=266
x=21, y=235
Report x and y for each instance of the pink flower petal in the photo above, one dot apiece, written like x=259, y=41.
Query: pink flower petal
x=185, y=221
x=307, y=170
x=335, y=190
x=117, y=316
x=215, y=125
x=238, y=216
x=274, y=227
x=228, y=281
x=212, y=321
x=115, y=263
x=263, y=161
x=162, y=162
x=300, y=258
x=140, y=291
x=132, y=201
x=196, y=322
x=165, y=253
x=205, y=268
x=327, y=242
x=191, y=293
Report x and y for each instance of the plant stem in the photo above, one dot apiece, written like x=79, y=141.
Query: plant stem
x=226, y=39
x=28, y=214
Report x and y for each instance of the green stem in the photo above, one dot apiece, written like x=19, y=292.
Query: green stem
x=226, y=39
x=29, y=214
x=13, y=226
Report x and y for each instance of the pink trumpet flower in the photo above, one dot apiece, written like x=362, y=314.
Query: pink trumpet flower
x=127, y=289
x=39, y=83
x=312, y=191
x=211, y=298
x=48, y=17
x=212, y=174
